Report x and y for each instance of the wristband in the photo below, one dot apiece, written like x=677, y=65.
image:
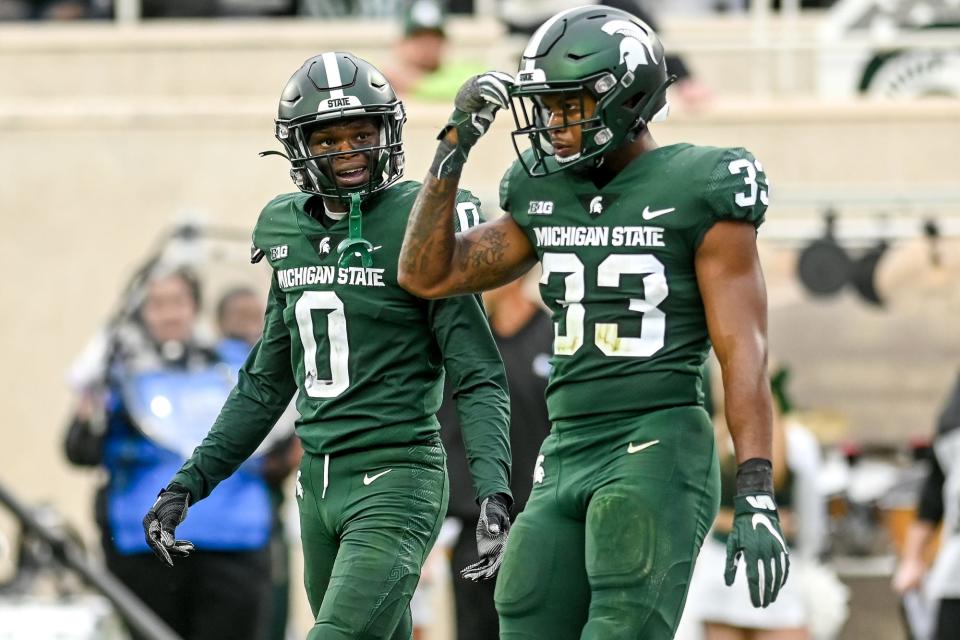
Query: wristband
x=755, y=476
x=448, y=161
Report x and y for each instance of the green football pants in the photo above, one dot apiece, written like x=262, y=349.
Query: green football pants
x=367, y=521
x=607, y=543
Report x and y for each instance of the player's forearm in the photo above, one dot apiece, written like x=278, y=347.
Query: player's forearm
x=748, y=404
x=429, y=243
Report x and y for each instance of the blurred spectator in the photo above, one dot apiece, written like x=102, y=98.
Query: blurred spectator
x=726, y=613
x=421, y=70
x=240, y=322
x=939, y=502
x=45, y=9
x=152, y=384
x=240, y=319
x=524, y=335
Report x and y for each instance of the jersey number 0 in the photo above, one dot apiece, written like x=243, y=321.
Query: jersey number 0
x=339, y=380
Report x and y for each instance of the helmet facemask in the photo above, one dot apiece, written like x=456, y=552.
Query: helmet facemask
x=313, y=173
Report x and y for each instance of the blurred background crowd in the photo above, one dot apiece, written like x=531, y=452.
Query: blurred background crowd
x=129, y=183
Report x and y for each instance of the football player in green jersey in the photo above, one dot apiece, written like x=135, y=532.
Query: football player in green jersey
x=367, y=359
x=648, y=256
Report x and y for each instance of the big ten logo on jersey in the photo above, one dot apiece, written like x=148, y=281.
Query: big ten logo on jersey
x=279, y=252
x=540, y=207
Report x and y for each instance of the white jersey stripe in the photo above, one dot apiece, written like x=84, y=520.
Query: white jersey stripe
x=333, y=73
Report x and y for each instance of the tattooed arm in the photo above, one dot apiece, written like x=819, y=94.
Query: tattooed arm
x=435, y=262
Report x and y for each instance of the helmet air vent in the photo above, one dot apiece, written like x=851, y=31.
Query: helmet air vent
x=291, y=94
x=605, y=83
x=377, y=81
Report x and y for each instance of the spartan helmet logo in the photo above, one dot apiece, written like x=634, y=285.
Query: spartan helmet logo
x=596, y=206
x=636, y=47
x=324, y=247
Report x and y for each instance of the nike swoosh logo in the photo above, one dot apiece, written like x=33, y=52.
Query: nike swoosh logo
x=368, y=479
x=641, y=447
x=760, y=519
x=656, y=213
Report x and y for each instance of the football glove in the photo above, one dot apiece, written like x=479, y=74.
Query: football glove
x=493, y=527
x=160, y=524
x=475, y=107
x=756, y=535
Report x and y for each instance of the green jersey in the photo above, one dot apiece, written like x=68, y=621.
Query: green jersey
x=366, y=357
x=618, y=272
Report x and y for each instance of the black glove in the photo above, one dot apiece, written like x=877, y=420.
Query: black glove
x=493, y=527
x=160, y=523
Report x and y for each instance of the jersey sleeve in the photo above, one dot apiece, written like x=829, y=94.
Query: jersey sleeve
x=478, y=382
x=475, y=374
x=734, y=188
x=264, y=388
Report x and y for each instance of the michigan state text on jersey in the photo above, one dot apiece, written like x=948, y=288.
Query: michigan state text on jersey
x=366, y=358
x=648, y=256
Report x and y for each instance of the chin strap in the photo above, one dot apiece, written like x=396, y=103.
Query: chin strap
x=355, y=245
